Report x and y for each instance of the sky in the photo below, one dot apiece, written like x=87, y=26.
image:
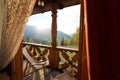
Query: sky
x=68, y=19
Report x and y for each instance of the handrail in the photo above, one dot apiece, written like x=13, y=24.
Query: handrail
x=34, y=44
x=49, y=46
x=66, y=49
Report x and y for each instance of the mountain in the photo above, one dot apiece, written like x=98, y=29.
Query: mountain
x=42, y=36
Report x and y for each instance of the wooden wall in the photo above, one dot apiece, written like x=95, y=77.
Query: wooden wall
x=4, y=76
x=17, y=65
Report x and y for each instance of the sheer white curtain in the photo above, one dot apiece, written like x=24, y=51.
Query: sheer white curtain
x=13, y=17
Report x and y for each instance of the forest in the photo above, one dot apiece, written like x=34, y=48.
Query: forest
x=73, y=42
x=63, y=39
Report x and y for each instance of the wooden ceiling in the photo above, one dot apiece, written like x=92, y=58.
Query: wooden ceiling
x=47, y=5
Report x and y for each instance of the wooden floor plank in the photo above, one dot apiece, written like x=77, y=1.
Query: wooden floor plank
x=40, y=75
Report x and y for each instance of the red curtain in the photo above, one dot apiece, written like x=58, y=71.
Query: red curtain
x=103, y=39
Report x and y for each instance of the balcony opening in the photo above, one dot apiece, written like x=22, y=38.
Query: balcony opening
x=61, y=48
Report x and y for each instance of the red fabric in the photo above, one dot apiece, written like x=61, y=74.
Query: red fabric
x=104, y=39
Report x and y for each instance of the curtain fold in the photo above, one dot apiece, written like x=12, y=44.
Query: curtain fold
x=16, y=13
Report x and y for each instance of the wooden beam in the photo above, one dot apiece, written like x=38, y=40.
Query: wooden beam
x=48, y=5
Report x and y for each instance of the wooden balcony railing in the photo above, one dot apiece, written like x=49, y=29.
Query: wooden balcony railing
x=67, y=59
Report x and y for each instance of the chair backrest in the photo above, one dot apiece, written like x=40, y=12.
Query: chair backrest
x=27, y=55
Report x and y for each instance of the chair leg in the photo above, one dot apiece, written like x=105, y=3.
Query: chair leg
x=41, y=74
x=33, y=76
x=25, y=68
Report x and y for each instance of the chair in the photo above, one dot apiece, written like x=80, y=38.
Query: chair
x=32, y=66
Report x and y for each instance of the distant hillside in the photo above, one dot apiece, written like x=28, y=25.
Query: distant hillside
x=42, y=35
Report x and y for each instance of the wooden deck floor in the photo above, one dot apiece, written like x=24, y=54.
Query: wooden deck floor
x=48, y=74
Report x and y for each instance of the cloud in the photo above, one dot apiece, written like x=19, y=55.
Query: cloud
x=68, y=19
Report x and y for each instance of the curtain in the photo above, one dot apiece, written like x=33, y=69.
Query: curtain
x=104, y=39
x=13, y=18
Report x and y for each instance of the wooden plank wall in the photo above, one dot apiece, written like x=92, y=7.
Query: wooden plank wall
x=17, y=66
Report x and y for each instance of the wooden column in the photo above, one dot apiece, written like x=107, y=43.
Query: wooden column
x=54, y=55
x=54, y=25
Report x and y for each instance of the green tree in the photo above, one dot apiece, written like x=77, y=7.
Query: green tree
x=66, y=41
x=75, y=39
x=24, y=39
x=70, y=42
x=31, y=40
x=62, y=42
